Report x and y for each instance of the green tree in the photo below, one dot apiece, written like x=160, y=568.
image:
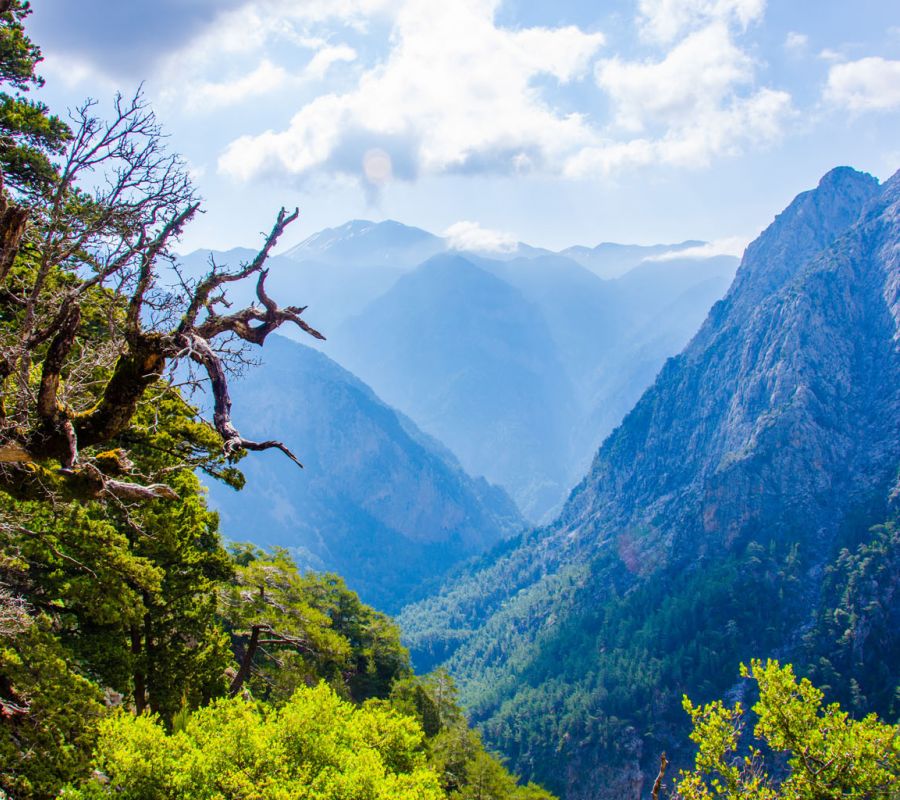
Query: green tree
x=827, y=753
x=290, y=629
x=29, y=135
x=49, y=728
x=468, y=771
x=92, y=313
x=315, y=745
x=280, y=639
x=125, y=599
x=853, y=650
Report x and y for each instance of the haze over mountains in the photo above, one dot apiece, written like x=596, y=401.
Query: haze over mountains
x=767, y=446
x=521, y=387
x=380, y=502
x=518, y=365
x=521, y=364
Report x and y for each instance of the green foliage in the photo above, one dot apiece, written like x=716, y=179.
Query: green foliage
x=131, y=590
x=853, y=650
x=28, y=132
x=18, y=54
x=128, y=598
x=468, y=771
x=432, y=699
x=50, y=714
x=315, y=745
x=827, y=753
x=314, y=628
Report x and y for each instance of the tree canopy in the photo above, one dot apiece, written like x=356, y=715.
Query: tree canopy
x=315, y=745
x=804, y=750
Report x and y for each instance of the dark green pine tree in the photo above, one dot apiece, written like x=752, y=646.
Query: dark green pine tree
x=29, y=135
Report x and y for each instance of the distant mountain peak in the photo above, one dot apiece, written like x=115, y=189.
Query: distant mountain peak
x=364, y=242
x=844, y=176
x=810, y=223
x=611, y=260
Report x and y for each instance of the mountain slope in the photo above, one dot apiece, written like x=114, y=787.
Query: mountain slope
x=769, y=444
x=613, y=336
x=378, y=501
x=533, y=433
x=472, y=362
x=522, y=367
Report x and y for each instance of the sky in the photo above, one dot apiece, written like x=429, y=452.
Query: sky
x=571, y=122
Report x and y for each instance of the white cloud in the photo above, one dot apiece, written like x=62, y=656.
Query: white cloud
x=195, y=171
x=694, y=79
x=266, y=78
x=325, y=57
x=796, y=42
x=666, y=20
x=252, y=25
x=242, y=36
x=468, y=235
x=870, y=84
x=827, y=54
x=454, y=94
x=208, y=95
x=728, y=246
x=697, y=103
x=722, y=132
x=73, y=71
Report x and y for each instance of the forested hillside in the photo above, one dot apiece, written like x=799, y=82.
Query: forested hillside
x=730, y=516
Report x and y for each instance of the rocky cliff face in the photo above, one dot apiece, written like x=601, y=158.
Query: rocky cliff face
x=771, y=441
x=783, y=410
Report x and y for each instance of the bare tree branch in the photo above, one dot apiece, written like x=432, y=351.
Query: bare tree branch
x=657, y=784
x=201, y=352
x=102, y=240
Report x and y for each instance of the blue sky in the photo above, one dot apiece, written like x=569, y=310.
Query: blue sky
x=554, y=123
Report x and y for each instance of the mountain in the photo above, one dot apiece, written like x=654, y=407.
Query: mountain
x=523, y=367
x=717, y=523
x=600, y=343
x=363, y=243
x=472, y=362
x=379, y=502
x=661, y=305
x=613, y=336
x=612, y=260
